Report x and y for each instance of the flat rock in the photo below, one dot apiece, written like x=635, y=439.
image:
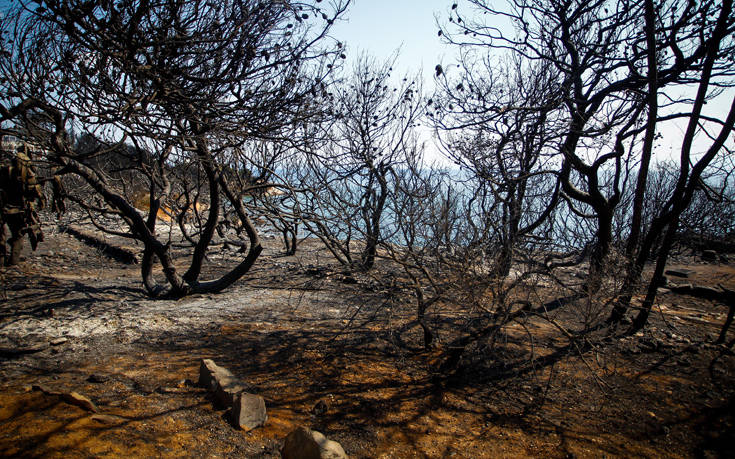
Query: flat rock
x=303, y=443
x=679, y=272
x=72, y=398
x=248, y=411
x=80, y=400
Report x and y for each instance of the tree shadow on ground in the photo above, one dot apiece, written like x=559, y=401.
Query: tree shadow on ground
x=375, y=386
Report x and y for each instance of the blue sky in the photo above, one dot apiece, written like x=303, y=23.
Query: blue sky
x=379, y=27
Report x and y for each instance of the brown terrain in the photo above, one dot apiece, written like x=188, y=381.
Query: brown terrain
x=299, y=331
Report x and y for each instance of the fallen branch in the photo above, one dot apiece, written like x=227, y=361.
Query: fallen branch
x=117, y=253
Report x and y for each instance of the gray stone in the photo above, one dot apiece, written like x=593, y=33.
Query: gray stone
x=225, y=386
x=207, y=370
x=679, y=272
x=303, y=443
x=248, y=411
x=228, y=391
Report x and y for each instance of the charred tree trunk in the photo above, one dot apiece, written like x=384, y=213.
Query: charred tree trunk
x=635, y=264
x=373, y=212
x=290, y=239
x=689, y=181
x=421, y=306
x=599, y=254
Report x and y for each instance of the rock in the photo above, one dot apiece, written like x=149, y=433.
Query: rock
x=681, y=288
x=225, y=386
x=320, y=408
x=649, y=344
x=680, y=272
x=59, y=341
x=724, y=260
x=228, y=392
x=72, y=398
x=207, y=371
x=95, y=378
x=80, y=400
x=303, y=443
x=709, y=255
x=248, y=411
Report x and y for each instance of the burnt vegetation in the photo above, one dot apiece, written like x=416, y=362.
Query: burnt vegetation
x=190, y=126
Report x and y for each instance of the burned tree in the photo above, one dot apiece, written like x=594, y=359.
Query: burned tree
x=498, y=125
x=615, y=61
x=582, y=45
x=184, y=83
x=349, y=174
x=709, y=69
